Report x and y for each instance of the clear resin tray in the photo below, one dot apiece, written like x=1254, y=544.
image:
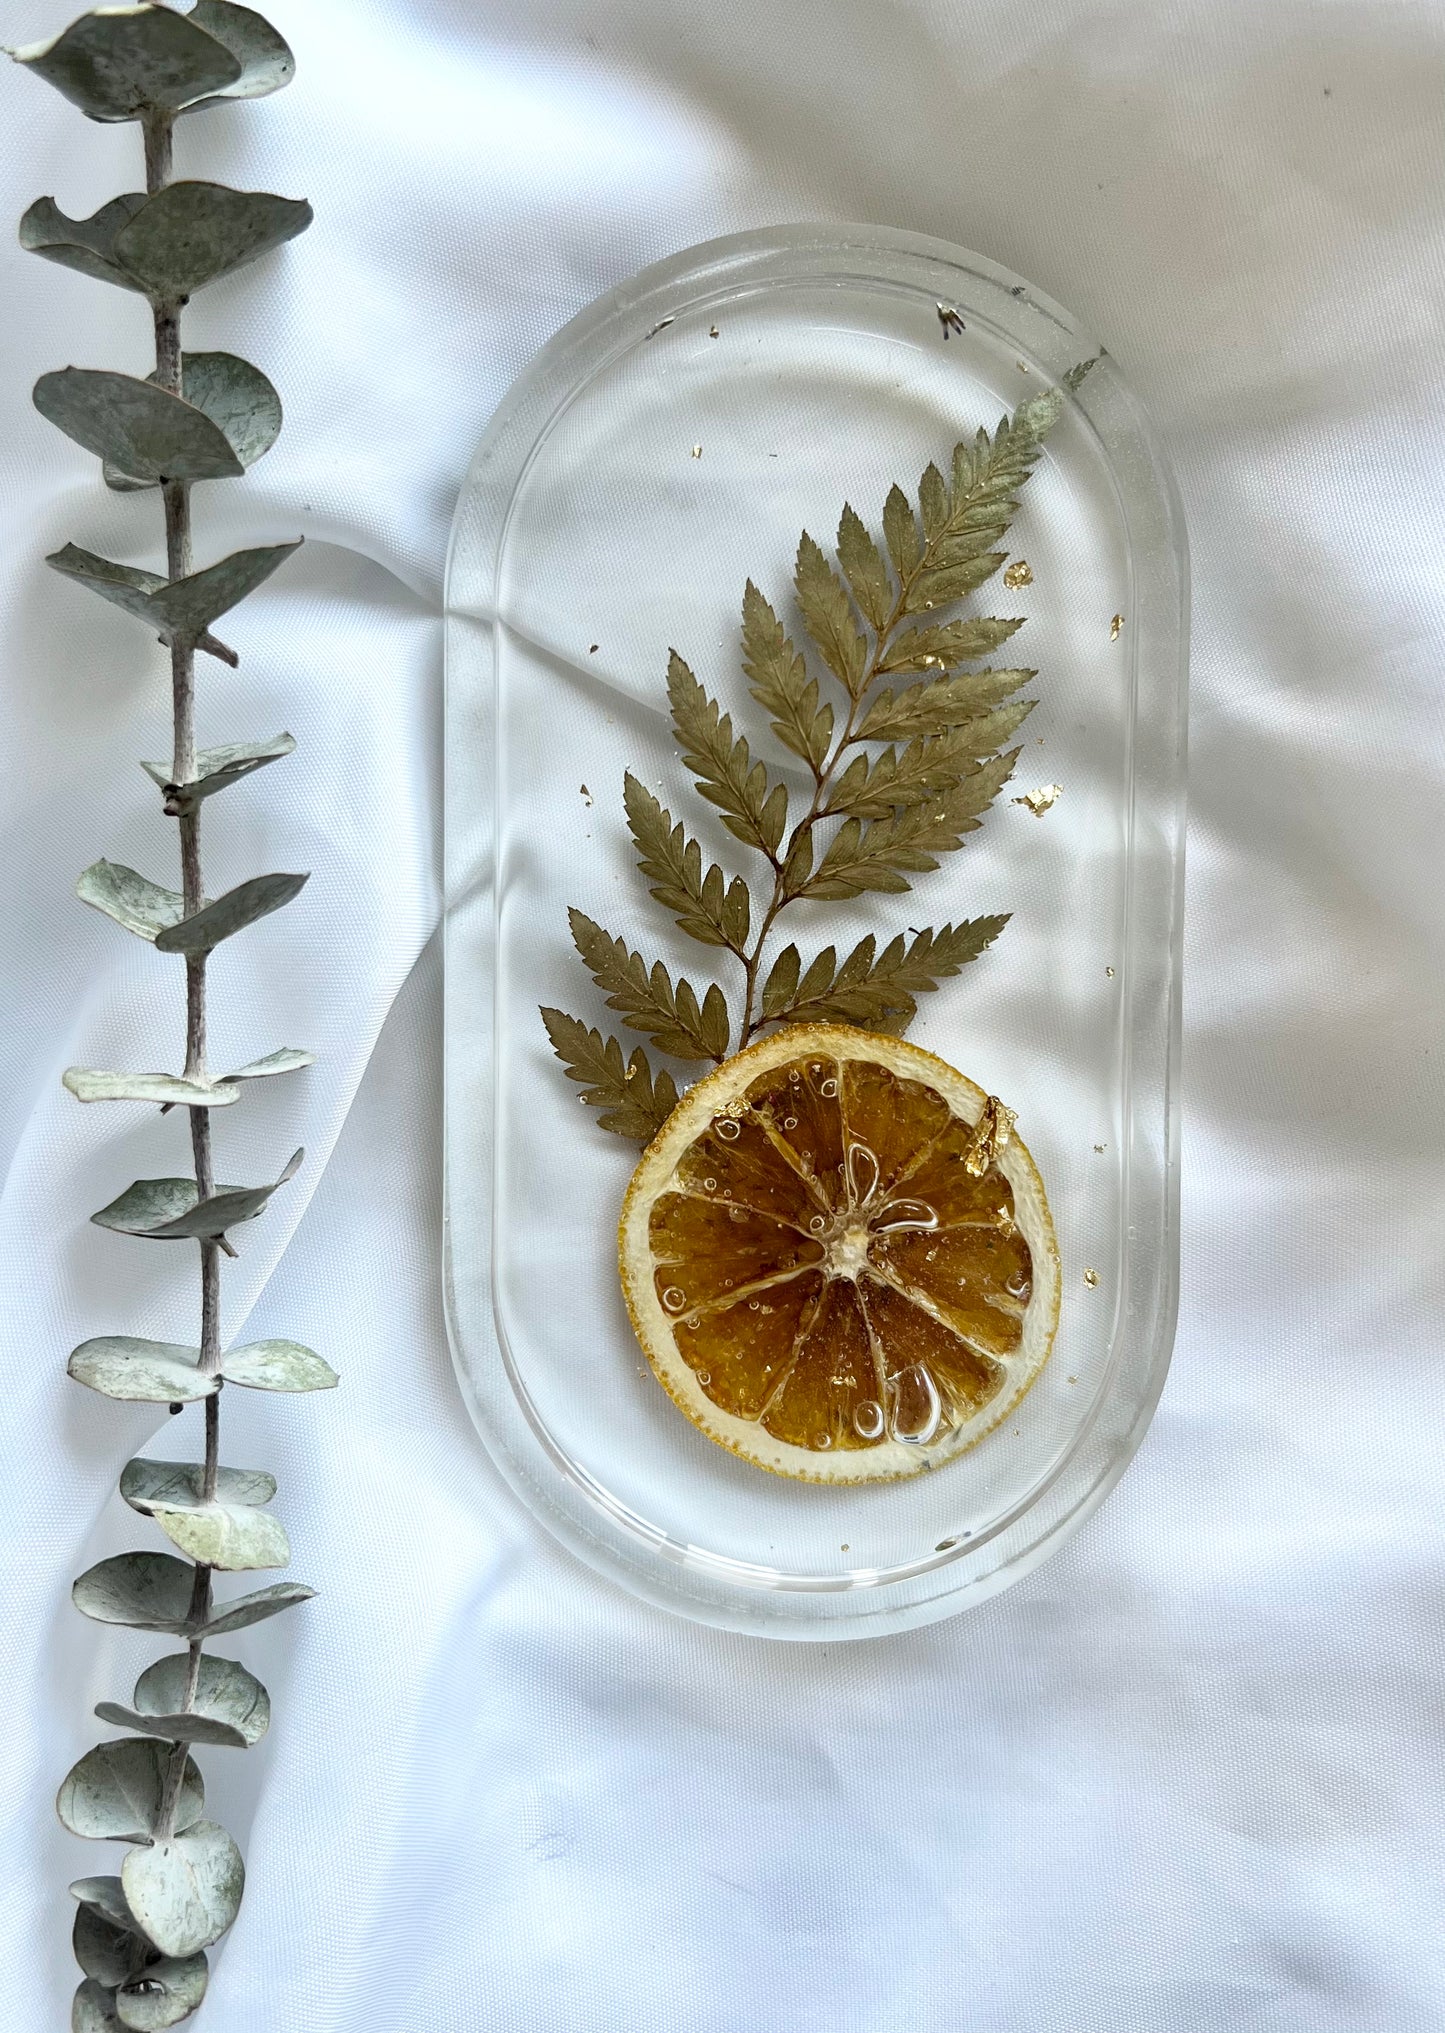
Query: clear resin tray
x=667, y=445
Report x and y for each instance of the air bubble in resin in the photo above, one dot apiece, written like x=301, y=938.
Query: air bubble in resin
x=727, y=1129
x=817, y=1224
x=915, y=1408
x=674, y=1298
x=829, y=1088
x=868, y=1420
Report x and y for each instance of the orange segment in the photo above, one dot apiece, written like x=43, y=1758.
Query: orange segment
x=815, y=1273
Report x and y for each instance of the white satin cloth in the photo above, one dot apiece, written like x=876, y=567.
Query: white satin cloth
x=1184, y=1779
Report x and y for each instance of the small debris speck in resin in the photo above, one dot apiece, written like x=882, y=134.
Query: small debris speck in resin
x=949, y=319
x=1041, y=800
x=1091, y=1279
x=1019, y=573
x=661, y=326
x=1101, y=1147
x=586, y=795
x=1116, y=628
x=1109, y=972
x=593, y=647
x=712, y=332
x=697, y=451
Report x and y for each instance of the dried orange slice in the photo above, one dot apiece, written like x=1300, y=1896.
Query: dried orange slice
x=838, y=1258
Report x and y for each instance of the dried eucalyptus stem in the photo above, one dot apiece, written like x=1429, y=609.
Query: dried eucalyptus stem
x=140, y=1938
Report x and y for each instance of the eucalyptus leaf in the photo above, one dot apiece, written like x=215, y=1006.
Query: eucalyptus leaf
x=245, y=1610
x=204, y=930
x=141, y=1372
x=168, y=1210
x=113, y=1794
x=225, y=1693
x=266, y=62
x=180, y=609
x=191, y=233
x=93, y=2010
x=218, y=768
x=163, y=1994
x=278, y=1366
x=117, y=63
x=169, y=1089
x=133, y=901
x=125, y=586
x=176, y=1729
x=186, y=1892
x=87, y=245
x=143, y=430
x=290, y=1059
x=109, y=1952
x=149, y=1485
x=227, y=1531
x=145, y=1591
x=105, y=1896
x=234, y=395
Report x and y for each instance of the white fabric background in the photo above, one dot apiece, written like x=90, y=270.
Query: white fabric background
x=1186, y=1777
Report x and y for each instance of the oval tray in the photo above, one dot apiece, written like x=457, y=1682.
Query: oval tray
x=668, y=444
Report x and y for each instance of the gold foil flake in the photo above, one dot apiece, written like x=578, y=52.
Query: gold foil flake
x=713, y=333
x=1109, y=972
x=991, y=1134
x=1101, y=1147
x=1019, y=573
x=1041, y=800
x=1023, y=366
x=697, y=451
x=949, y=319
x=1091, y=1278
x=1116, y=628
x=586, y=795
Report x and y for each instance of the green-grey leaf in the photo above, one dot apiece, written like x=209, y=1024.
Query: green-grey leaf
x=225, y=1693
x=119, y=62
x=163, y=1994
x=218, y=768
x=193, y=232
x=1079, y=372
x=147, y=1485
x=86, y=1083
x=125, y=586
x=266, y=62
x=204, y=930
x=175, y=1729
x=93, y=2010
x=185, y=608
x=829, y=616
x=87, y=245
x=113, y=1794
x=778, y=679
x=109, y=1952
x=634, y=1101
x=862, y=562
x=707, y=907
x=168, y=1210
x=665, y=1011
x=132, y=900
x=228, y=1531
x=105, y=1896
x=143, y=430
x=289, y=1059
x=726, y=774
x=141, y=1372
x=145, y=1591
x=186, y=1892
x=278, y=1366
x=236, y=396
x=245, y=1610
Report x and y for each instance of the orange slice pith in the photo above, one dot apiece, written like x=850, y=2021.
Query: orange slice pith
x=832, y=1268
